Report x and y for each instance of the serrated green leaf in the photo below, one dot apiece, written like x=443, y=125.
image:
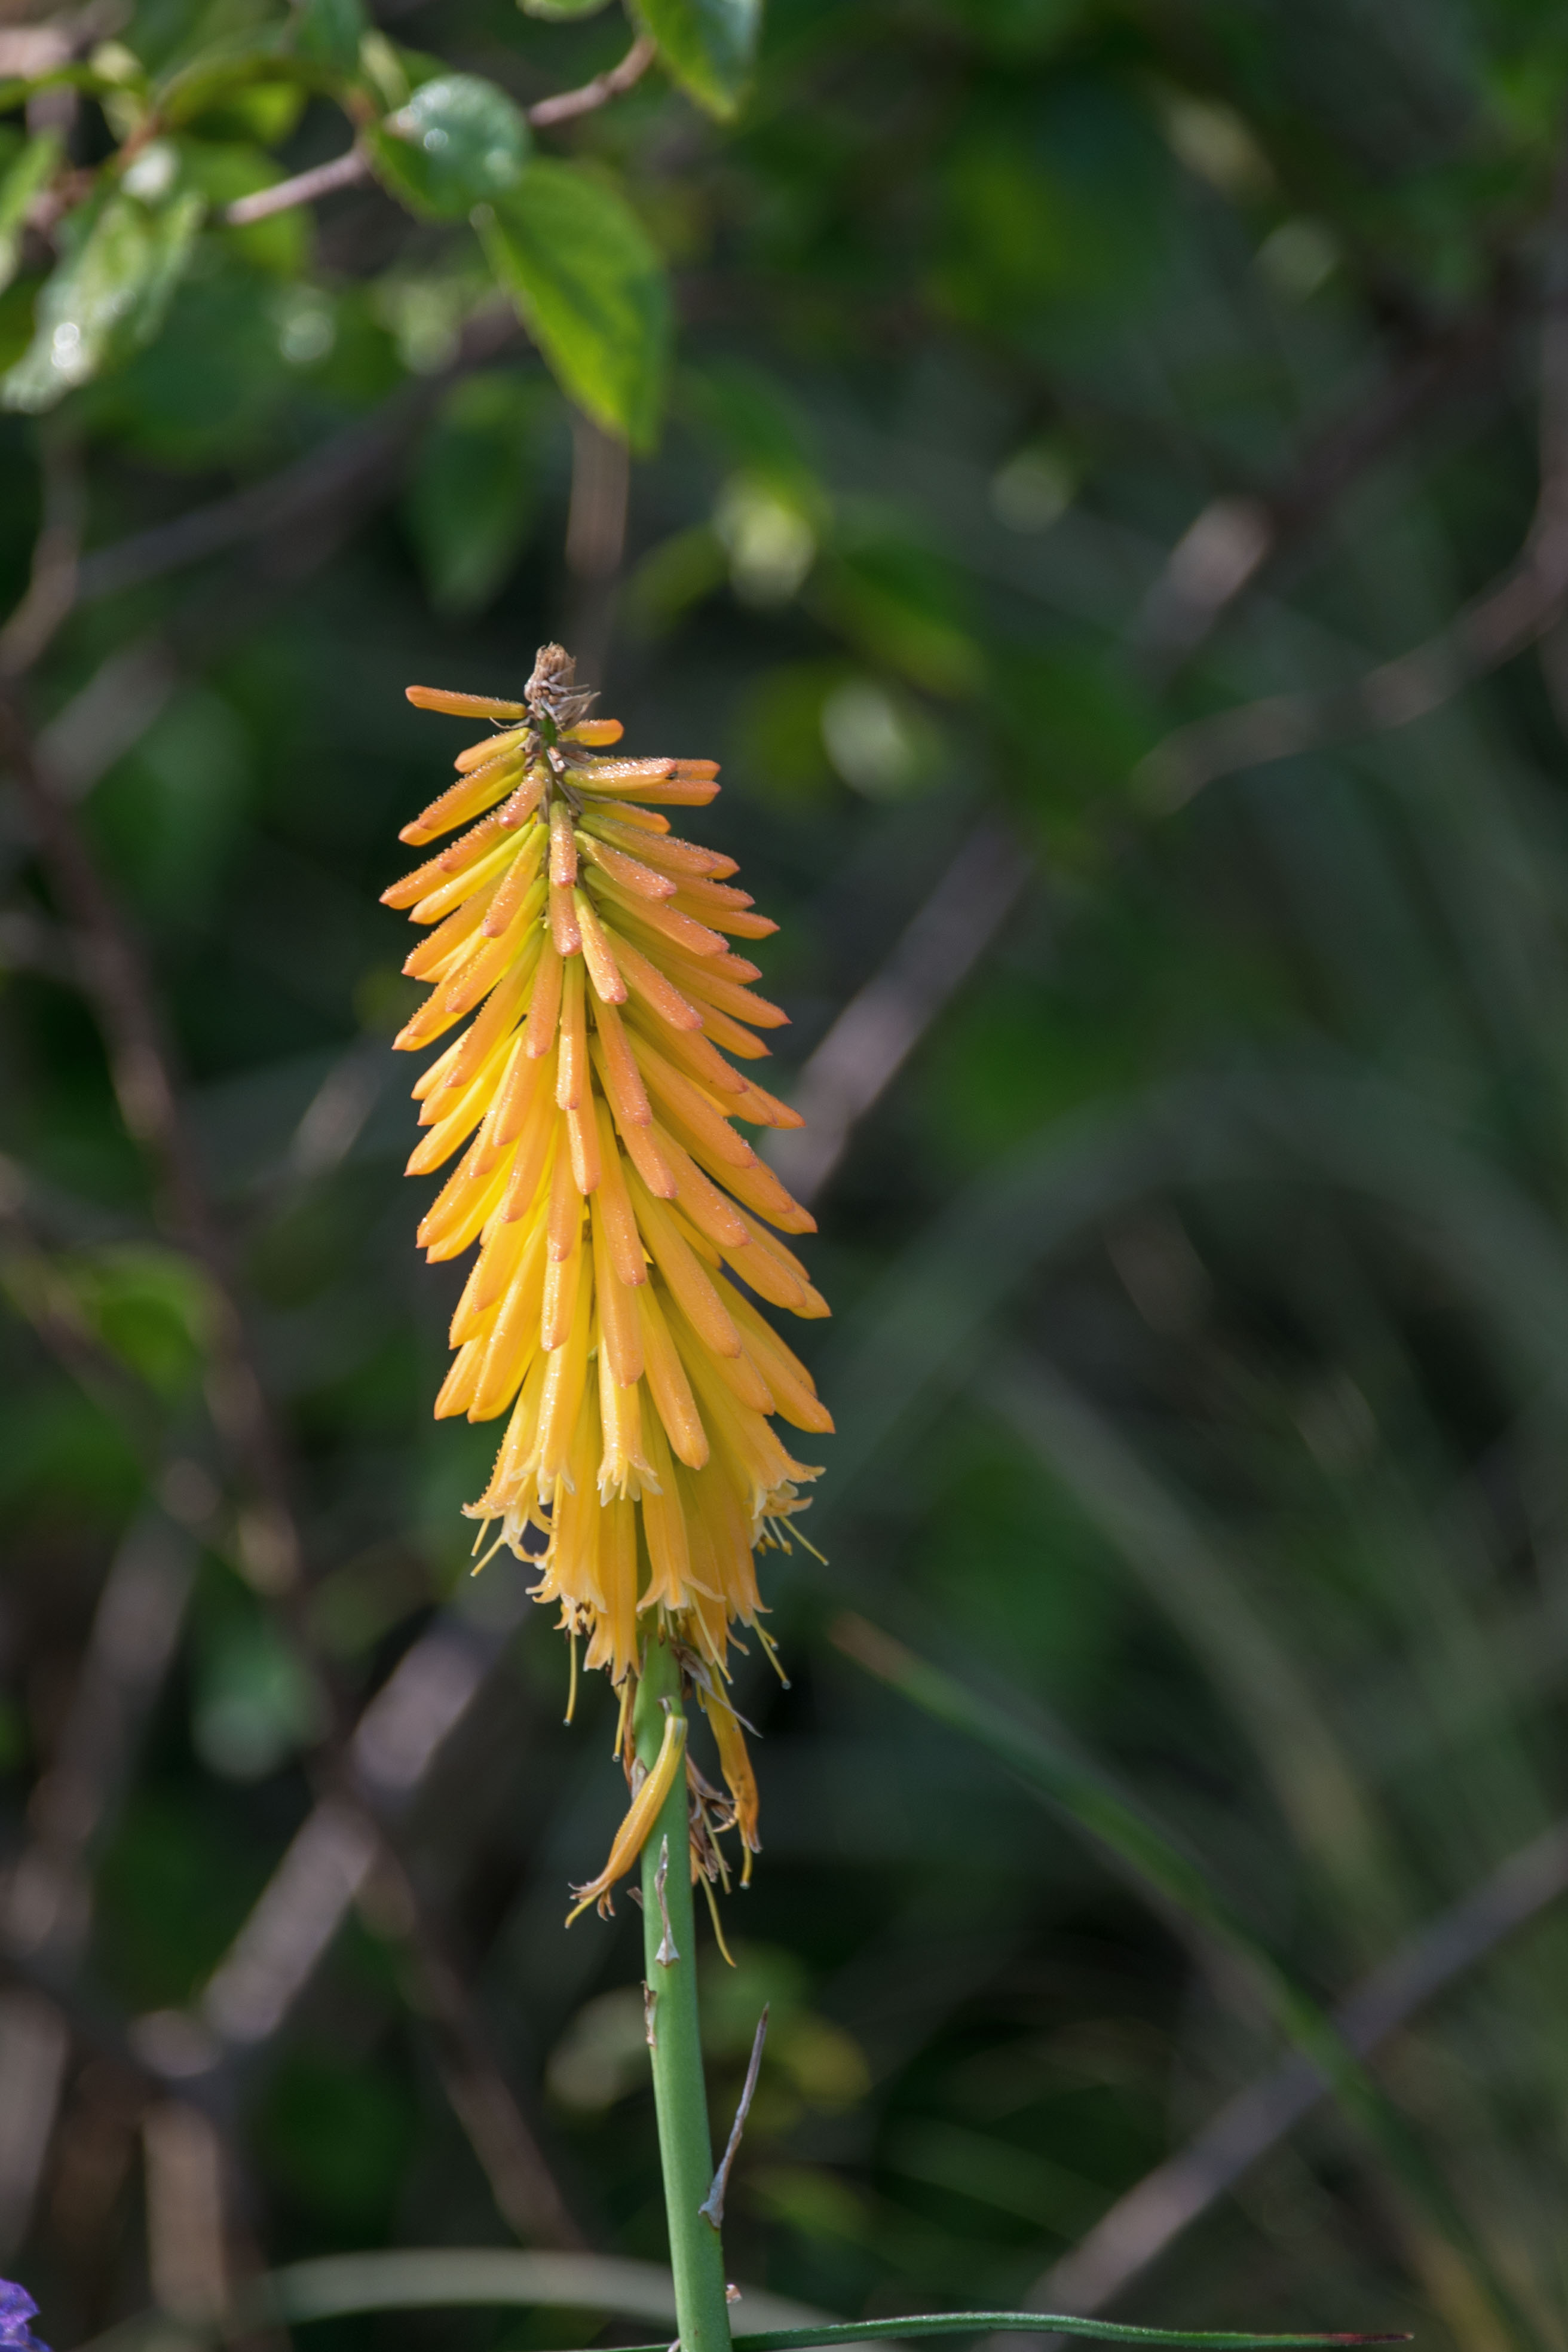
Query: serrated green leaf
x=31, y=172
x=459, y=141
x=472, y=497
x=707, y=45
x=590, y=287
x=108, y=296
x=328, y=32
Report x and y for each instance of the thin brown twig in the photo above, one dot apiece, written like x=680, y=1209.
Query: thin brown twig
x=598, y=92
x=353, y=168
x=1149, y=2217
x=120, y=990
x=712, y=2205
x=595, y=541
x=1237, y=537
x=110, y=971
x=52, y=584
x=1511, y=616
x=1516, y=611
x=337, y=472
x=33, y=1283
x=141, y=1065
x=883, y=1022
x=345, y=171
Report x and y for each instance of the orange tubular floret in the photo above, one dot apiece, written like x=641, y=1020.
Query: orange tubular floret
x=624, y=814
x=491, y=747
x=732, y=1036
x=656, y=916
x=690, y=1051
x=597, y=953
x=733, y=920
x=619, y=1069
x=630, y=872
x=613, y=1208
x=669, y=855
x=469, y=797
x=463, y=706
x=678, y=792
x=615, y=775
x=759, y=1108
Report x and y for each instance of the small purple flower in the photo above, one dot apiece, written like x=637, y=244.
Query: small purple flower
x=16, y=2307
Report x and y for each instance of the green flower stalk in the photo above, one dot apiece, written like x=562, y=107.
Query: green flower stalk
x=626, y=1232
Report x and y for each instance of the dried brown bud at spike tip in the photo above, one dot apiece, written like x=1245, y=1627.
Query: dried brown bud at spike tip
x=552, y=691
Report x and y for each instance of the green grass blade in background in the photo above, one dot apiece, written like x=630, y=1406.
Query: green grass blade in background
x=437, y=2278
x=1032, y=2323
x=1084, y=1797
x=1186, y=1573
x=453, y=2278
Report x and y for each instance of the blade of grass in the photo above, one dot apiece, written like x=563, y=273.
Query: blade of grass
x=1149, y=2216
x=1038, y=2323
x=1319, y=1120
x=431, y=2278
x=1086, y=1799
x=1187, y=1572
x=337, y=2286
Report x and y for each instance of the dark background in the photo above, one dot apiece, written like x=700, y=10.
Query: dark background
x=1052, y=376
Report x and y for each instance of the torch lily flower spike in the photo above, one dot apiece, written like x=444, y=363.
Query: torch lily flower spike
x=626, y=1229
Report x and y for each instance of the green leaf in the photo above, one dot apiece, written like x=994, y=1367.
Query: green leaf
x=224, y=169
x=32, y=171
x=707, y=45
x=237, y=73
x=459, y=141
x=125, y=252
x=328, y=32
x=151, y=1308
x=20, y=89
x=383, y=73
x=903, y=603
x=420, y=2278
x=260, y=113
x=558, y=11
x=1026, y=2323
x=471, y=499
x=590, y=288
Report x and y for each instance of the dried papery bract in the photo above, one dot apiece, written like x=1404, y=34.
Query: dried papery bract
x=625, y=1226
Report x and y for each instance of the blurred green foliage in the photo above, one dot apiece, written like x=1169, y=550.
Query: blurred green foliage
x=1011, y=385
